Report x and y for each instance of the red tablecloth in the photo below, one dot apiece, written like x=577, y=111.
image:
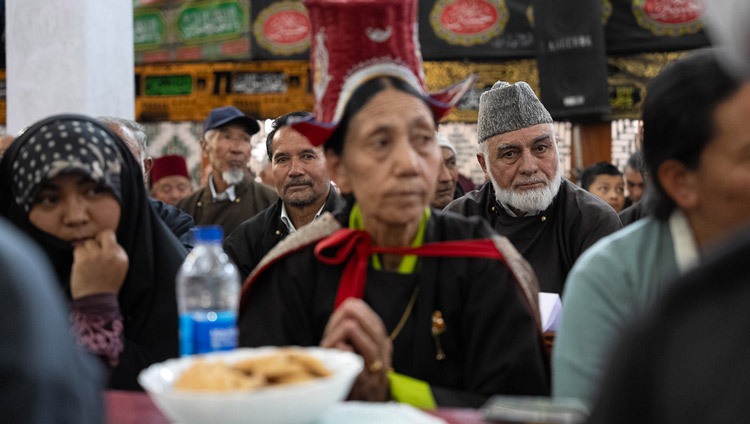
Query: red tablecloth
x=137, y=408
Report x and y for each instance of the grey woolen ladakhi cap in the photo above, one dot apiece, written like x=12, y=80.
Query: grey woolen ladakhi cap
x=509, y=107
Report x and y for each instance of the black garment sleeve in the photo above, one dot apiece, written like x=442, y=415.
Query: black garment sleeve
x=179, y=222
x=45, y=377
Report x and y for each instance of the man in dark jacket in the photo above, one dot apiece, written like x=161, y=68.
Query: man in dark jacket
x=550, y=220
x=305, y=192
x=230, y=196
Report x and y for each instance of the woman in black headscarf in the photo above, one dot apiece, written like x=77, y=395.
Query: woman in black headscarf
x=72, y=184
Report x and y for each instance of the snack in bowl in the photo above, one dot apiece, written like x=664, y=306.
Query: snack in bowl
x=269, y=404
x=283, y=367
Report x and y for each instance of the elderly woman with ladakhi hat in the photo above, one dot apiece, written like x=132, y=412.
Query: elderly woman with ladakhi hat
x=73, y=185
x=438, y=307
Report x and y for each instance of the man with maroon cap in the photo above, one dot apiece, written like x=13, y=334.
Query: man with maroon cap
x=230, y=196
x=170, y=181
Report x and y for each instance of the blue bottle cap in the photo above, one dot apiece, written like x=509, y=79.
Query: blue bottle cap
x=208, y=234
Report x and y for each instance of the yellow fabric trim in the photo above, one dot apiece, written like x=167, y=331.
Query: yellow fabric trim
x=409, y=262
x=411, y=391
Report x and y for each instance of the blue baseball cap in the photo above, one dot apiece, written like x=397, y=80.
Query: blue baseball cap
x=229, y=115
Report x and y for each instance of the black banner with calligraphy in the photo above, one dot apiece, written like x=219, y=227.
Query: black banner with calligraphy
x=475, y=29
x=637, y=26
x=503, y=29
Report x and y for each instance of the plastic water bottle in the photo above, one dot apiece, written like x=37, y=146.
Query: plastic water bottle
x=208, y=290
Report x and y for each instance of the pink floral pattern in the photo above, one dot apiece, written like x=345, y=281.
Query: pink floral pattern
x=97, y=325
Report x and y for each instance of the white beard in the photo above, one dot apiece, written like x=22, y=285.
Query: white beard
x=233, y=176
x=529, y=201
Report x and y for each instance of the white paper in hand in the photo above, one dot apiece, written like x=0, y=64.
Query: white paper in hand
x=550, y=307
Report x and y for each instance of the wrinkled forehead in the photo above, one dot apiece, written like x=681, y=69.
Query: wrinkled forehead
x=525, y=137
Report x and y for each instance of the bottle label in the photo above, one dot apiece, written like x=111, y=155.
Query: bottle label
x=202, y=332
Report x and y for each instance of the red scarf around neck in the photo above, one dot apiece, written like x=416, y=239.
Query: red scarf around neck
x=355, y=247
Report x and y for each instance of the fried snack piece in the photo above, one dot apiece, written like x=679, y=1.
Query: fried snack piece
x=283, y=367
x=217, y=377
x=312, y=364
x=287, y=365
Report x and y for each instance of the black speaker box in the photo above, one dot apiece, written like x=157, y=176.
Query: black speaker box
x=571, y=57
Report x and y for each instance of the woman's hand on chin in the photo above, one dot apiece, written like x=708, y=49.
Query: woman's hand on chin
x=355, y=327
x=99, y=266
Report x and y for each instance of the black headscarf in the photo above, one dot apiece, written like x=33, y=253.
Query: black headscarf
x=73, y=143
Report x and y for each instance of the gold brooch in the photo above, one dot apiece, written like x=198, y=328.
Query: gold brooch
x=438, y=328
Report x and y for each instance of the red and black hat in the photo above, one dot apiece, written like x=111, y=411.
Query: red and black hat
x=167, y=166
x=354, y=41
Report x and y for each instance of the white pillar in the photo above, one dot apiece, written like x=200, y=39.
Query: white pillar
x=68, y=56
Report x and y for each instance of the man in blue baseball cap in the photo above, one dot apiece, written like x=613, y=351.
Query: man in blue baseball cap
x=231, y=196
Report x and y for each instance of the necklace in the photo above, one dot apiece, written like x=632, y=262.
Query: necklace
x=405, y=316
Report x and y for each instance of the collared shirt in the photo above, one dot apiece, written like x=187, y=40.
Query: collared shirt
x=227, y=194
x=288, y=222
x=685, y=249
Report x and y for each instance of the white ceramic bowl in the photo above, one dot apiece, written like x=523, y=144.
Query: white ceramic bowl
x=288, y=404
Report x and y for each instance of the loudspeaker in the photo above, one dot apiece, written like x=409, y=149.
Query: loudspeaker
x=571, y=58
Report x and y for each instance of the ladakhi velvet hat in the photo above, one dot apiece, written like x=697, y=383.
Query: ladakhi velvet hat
x=354, y=41
x=509, y=107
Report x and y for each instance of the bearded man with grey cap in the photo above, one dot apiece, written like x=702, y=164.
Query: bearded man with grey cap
x=550, y=220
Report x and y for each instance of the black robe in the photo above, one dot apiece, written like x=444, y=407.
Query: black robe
x=255, y=237
x=491, y=342
x=147, y=298
x=553, y=240
x=687, y=360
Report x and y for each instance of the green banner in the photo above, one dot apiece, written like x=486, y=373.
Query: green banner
x=169, y=85
x=211, y=21
x=149, y=29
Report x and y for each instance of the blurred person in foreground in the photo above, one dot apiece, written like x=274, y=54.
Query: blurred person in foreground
x=686, y=361
x=170, y=181
x=605, y=181
x=447, y=186
x=134, y=136
x=230, y=195
x=74, y=187
x=46, y=379
x=305, y=192
x=550, y=220
x=389, y=278
x=695, y=138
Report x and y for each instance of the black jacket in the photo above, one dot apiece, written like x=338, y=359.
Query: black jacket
x=553, y=240
x=256, y=236
x=178, y=221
